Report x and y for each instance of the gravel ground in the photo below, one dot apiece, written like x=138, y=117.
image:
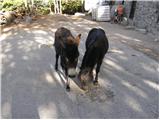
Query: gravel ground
x=31, y=88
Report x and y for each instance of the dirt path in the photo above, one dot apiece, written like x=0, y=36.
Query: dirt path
x=31, y=88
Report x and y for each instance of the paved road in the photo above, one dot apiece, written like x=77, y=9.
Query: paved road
x=31, y=88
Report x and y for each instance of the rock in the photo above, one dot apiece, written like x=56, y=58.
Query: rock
x=10, y=16
x=79, y=14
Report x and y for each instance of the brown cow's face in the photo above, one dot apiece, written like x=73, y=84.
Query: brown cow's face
x=71, y=63
x=71, y=55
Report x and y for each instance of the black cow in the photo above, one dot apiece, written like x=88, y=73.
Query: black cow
x=66, y=46
x=96, y=48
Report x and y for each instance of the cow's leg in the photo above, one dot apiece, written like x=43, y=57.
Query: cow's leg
x=95, y=82
x=68, y=82
x=65, y=70
x=56, y=65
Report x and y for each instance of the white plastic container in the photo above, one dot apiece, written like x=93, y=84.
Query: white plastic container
x=89, y=4
x=103, y=13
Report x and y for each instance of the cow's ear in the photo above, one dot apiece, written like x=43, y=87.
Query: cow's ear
x=78, y=39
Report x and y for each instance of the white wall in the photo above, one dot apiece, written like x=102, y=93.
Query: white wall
x=89, y=4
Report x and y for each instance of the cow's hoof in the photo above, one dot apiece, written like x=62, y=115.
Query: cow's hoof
x=95, y=82
x=67, y=88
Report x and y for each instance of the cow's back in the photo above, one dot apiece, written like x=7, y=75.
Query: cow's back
x=61, y=38
x=97, y=39
x=61, y=34
x=96, y=47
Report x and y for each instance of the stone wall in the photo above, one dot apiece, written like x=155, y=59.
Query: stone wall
x=146, y=15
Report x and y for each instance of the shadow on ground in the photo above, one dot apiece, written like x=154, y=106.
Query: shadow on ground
x=31, y=88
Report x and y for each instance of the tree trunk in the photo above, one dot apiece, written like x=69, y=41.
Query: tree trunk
x=26, y=3
x=26, y=6
x=32, y=1
x=82, y=2
x=55, y=7
x=51, y=7
x=60, y=7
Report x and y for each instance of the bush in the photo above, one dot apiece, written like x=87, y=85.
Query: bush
x=42, y=7
x=18, y=5
x=43, y=10
x=71, y=6
x=10, y=5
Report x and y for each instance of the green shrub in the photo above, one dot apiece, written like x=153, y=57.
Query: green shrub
x=43, y=7
x=43, y=10
x=10, y=5
x=71, y=6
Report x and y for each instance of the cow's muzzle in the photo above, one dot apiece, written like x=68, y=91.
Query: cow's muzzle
x=71, y=72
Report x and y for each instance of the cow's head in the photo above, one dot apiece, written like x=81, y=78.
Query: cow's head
x=71, y=54
x=85, y=74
